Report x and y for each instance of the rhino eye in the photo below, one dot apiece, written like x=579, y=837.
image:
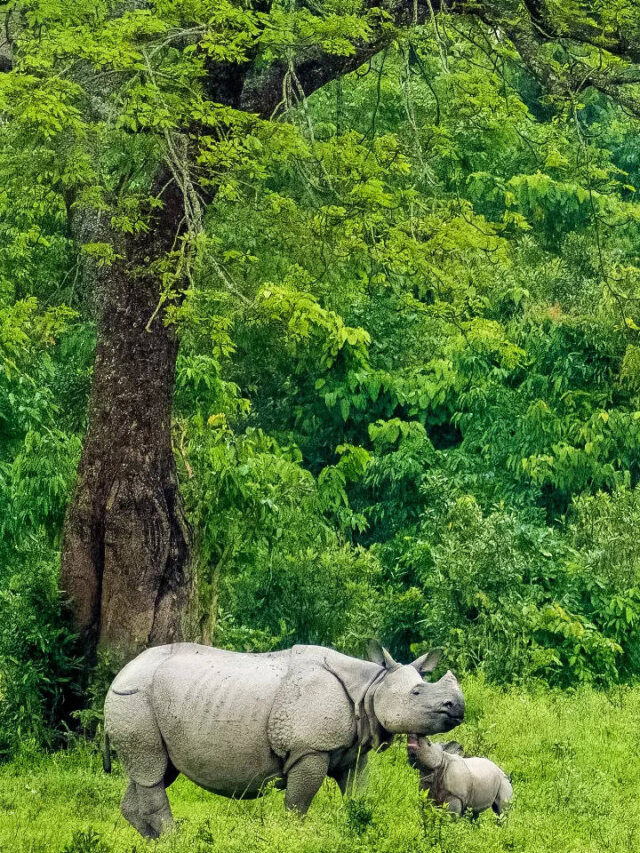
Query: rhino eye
x=416, y=692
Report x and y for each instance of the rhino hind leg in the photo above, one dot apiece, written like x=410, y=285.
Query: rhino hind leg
x=154, y=808
x=133, y=730
x=130, y=812
x=503, y=797
x=304, y=780
x=147, y=809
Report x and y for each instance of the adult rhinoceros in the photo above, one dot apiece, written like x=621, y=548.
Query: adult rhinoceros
x=232, y=722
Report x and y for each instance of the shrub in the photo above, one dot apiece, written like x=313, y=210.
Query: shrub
x=515, y=600
x=38, y=666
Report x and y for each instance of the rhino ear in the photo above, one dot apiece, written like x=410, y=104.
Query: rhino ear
x=428, y=662
x=378, y=654
x=453, y=747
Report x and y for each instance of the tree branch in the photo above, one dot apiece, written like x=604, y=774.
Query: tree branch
x=527, y=23
x=591, y=30
x=528, y=38
x=263, y=90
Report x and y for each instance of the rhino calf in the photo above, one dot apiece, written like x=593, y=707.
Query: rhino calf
x=232, y=722
x=462, y=784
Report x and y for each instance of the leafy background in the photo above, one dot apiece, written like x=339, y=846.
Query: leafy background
x=407, y=398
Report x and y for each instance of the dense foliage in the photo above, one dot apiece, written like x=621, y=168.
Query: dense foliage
x=408, y=388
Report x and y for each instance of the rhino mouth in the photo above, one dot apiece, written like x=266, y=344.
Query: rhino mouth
x=452, y=720
x=412, y=750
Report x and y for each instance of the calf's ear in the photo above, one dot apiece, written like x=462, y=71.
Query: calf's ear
x=378, y=654
x=428, y=662
x=453, y=747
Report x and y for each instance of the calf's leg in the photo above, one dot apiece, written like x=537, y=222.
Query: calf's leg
x=454, y=804
x=503, y=798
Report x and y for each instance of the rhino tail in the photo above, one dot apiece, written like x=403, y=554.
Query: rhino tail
x=106, y=754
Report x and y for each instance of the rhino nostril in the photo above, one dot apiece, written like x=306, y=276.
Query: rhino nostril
x=453, y=709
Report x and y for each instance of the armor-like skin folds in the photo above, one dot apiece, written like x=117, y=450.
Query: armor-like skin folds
x=233, y=722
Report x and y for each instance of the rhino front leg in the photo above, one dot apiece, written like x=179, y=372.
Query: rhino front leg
x=454, y=804
x=304, y=780
x=354, y=777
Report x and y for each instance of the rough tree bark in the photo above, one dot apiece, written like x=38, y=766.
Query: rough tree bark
x=126, y=541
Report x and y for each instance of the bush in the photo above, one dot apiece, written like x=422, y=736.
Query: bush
x=37, y=661
x=514, y=600
x=605, y=528
x=312, y=595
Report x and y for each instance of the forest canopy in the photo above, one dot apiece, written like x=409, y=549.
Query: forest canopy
x=362, y=288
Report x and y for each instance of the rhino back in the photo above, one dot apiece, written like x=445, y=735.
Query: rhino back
x=212, y=708
x=487, y=778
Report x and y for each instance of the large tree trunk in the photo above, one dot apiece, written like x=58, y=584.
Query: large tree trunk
x=126, y=541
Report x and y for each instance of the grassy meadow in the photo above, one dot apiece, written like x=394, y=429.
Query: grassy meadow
x=573, y=758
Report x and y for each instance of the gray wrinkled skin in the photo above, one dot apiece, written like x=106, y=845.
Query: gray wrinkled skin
x=462, y=784
x=232, y=722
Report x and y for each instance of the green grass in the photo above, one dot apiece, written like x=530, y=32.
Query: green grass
x=573, y=757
